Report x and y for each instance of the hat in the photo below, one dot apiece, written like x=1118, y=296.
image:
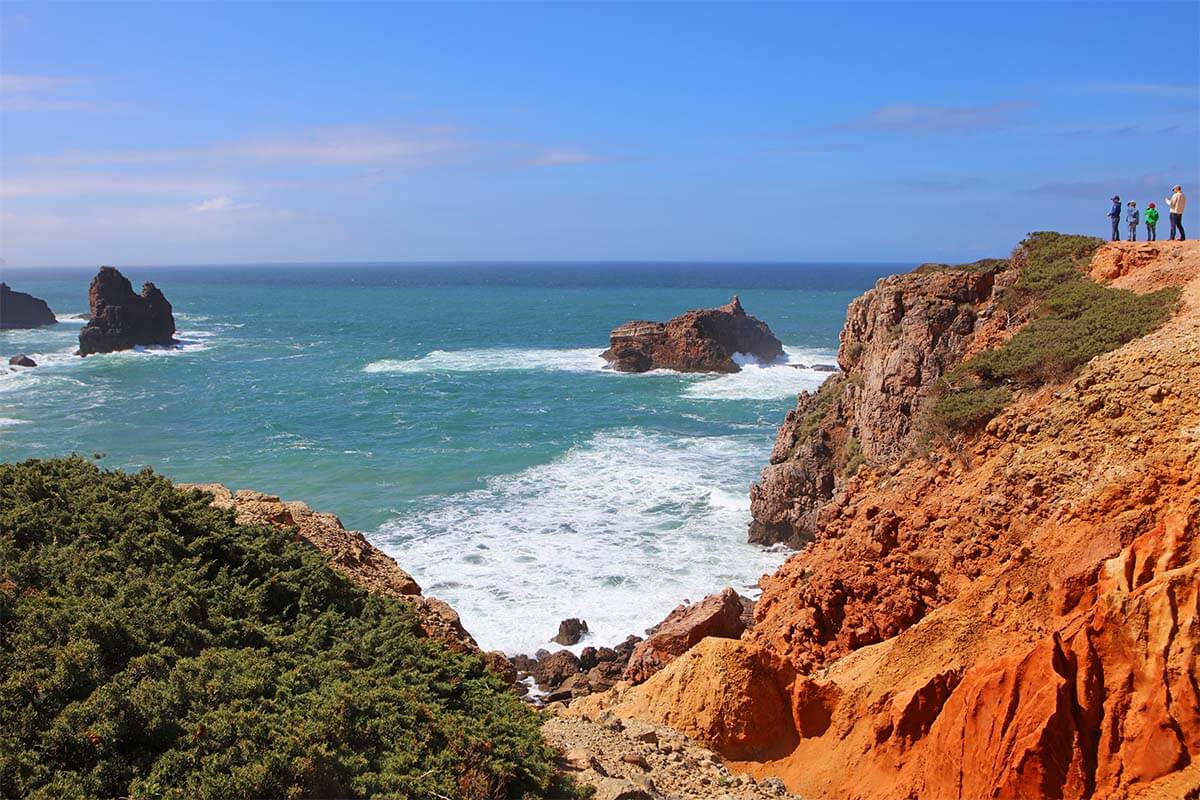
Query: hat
x=1116, y=197
x=1133, y=202
x=1150, y=206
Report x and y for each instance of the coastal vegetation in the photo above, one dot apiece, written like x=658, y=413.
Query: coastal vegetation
x=152, y=648
x=1071, y=320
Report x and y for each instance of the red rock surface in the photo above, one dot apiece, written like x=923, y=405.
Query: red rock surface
x=1014, y=615
x=898, y=340
x=703, y=340
x=718, y=615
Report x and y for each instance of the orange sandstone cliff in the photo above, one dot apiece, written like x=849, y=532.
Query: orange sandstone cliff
x=1012, y=612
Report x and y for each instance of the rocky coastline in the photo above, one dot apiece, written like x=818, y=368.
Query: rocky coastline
x=21, y=310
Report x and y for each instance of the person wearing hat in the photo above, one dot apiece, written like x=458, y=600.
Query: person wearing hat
x=1175, y=204
x=1131, y=216
x=1151, y=217
x=1114, y=216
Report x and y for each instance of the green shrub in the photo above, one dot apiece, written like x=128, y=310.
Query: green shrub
x=151, y=648
x=854, y=457
x=982, y=265
x=1073, y=319
x=969, y=409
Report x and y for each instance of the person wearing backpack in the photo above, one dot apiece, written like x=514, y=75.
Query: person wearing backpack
x=1151, y=218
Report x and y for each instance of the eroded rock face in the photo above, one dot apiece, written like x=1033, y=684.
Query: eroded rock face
x=120, y=319
x=1014, y=614
x=898, y=340
x=704, y=340
x=720, y=615
x=21, y=310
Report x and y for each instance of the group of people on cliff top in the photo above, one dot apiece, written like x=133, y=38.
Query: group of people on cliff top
x=1175, y=204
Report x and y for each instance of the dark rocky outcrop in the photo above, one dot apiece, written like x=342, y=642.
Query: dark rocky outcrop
x=704, y=340
x=570, y=631
x=22, y=360
x=21, y=310
x=898, y=341
x=121, y=320
x=562, y=675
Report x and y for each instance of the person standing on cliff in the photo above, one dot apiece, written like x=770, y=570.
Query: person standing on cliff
x=1131, y=216
x=1151, y=217
x=1114, y=216
x=1175, y=204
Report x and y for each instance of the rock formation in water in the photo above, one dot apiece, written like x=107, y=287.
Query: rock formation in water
x=21, y=310
x=570, y=631
x=21, y=360
x=1005, y=612
x=120, y=319
x=704, y=340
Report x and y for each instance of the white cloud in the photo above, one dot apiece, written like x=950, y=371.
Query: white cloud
x=221, y=203
x=353, y=147
x=43, y=93
x=1189, y=91
x=83, y=184
x=11, y=83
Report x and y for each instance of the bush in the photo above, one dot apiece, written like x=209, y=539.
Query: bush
x=1073, y=319
x=982, y=265
x=854, y=457
x=151, y=648
x=969, y=409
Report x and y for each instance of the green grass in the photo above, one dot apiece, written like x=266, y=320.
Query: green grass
x=152, y=648
x=854, y=457
x=1072, y=319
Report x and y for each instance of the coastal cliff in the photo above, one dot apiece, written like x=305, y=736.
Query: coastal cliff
x=996, y=602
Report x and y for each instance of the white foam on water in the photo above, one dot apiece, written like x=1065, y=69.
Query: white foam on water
x=771, y=381
x=7, y=421
x=617, y=531
x=496, y=359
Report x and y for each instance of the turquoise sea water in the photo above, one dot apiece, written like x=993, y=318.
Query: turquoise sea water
x=459, y=415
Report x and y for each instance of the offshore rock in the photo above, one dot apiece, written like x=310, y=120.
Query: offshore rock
x=703, y=340
x=720, y=615
x=21, y=310
x=120, y=319
x=570, y=631
x=21, y=360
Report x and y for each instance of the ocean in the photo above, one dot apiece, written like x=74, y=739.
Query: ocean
x=458, y=414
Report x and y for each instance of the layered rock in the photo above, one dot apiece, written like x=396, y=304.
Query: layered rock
x=1031, y=592
x=704, y=340
x=21, y=310
x=899, y=339
x=121, y=320
x=722, y=615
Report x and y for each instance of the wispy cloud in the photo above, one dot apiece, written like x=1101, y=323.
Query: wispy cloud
x=44, y=93
x=353, y=147
x=915, y=118
x=221, y=203
x=1146, y=184
x=945, y=184
x=1188, y=91
x=559, y=156
x=84, y=184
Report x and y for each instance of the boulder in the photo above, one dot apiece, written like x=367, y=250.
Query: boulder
x=703, y=340
x=22, y=360
x=554, y=669
x=21, y=310
x=121, y=320
x=570, y=631
x=720, y=615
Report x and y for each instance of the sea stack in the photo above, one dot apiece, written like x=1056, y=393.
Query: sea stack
x=121, y=319
x=703, y=340
x=21, y=310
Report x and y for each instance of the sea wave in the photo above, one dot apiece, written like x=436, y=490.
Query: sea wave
x=617, y=530
x=498, y=359
x=758, y=381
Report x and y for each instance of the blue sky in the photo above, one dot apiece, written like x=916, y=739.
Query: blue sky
x=207, y=133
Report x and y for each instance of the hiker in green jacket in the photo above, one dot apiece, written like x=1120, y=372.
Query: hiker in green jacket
x=1151, y=218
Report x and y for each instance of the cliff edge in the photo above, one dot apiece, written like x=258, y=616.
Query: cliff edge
x=1000, y=602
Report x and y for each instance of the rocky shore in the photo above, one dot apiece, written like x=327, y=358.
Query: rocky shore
x=704, y=340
